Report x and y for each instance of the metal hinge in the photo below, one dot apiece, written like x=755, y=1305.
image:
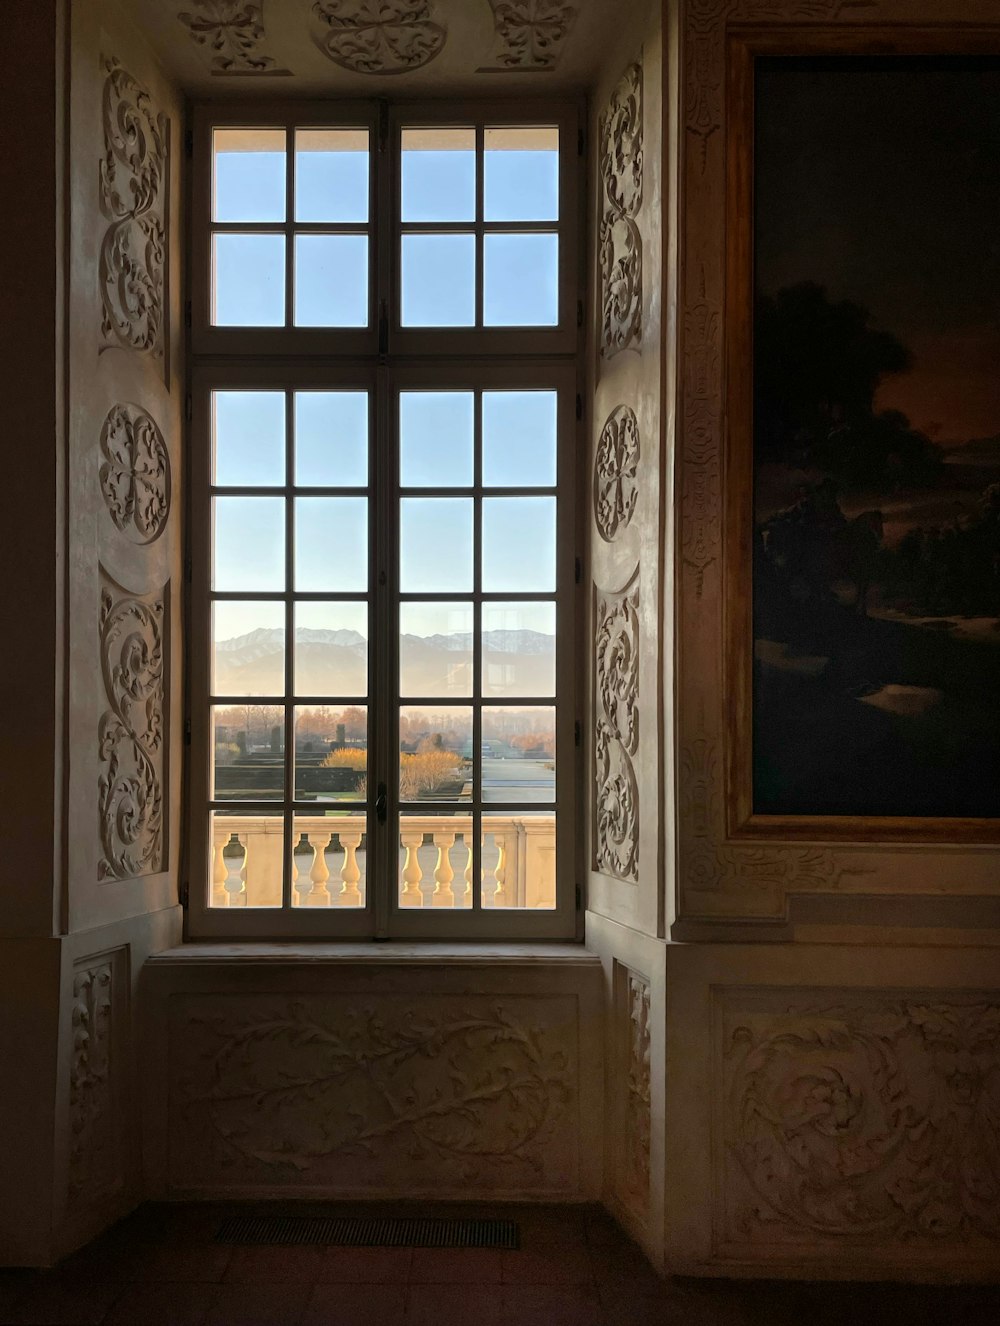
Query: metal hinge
x=189, y=143
x=187, y=313
x=577, y=732
x=579, y=312
x=383, y=125
x=579, y=406
x=188, y=570
x=182, y=896
x=579, y=897
x=581, y=141
x=187, y=732
x=578, y=570
x=188, y=408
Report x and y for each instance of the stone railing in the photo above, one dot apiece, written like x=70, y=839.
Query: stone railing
x=435, y=861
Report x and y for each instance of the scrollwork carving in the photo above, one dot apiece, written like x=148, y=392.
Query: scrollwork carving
x=234, y=32
x=616, y=465
x=873, y=1118
x=135, y=473
x=130, y=738
x=93, y=1168
x=637, y=1129
x=379, y=36
x=530, y=34
x=133, y=187
x=616, y=735
x=619, y=240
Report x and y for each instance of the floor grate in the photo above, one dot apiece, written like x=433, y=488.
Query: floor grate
x=369, y=1232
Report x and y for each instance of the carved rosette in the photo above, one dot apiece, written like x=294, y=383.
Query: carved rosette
x=870, y=1118
x=133, y=197
x=616, y=736
x=379, y=36
x=637, y=1126
x=135, y=473
x=530, y=34
x=619, y=240
x=93, y=1167
x=234, y=32
x=616, y=467
x=130, y=737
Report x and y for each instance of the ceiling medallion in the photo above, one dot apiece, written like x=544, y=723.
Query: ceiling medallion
x=379, y=36
x=234, y=31
x=530, y=34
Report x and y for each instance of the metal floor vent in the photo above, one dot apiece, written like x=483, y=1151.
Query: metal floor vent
x=369, y=1232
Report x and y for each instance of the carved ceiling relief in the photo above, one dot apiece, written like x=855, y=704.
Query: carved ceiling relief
x=135, y=473
x=615, y=816
x=131, y=733
x=616, y=468
x=234, y=32
x=93, y=1168
x=133, y=198
x=379, y=36
x=619, y=240
x=870, y=1117
x=530, y=34
x=636, y=1124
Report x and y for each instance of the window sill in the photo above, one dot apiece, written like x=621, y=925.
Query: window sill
x=396, y=953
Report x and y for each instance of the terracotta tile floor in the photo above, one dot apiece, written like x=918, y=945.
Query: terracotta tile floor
x=160, y=1267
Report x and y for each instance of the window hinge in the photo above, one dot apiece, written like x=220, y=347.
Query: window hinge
x=189, y=143
x=383, y=125
x=187, y=732
x=383, y=328
x=187, y=313
x=578, y=570
x=182, y=895
x=188, y=408
x=579, y=406
x=581, y=141
x=579, y=312
x=579, y=898
x=188, y=570
x=577, y=732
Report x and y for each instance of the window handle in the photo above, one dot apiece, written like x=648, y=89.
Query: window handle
x=381, y=803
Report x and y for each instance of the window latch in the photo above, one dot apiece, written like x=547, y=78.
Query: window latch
x=381, y=803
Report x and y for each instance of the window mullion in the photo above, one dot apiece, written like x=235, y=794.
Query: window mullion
x=383, y=652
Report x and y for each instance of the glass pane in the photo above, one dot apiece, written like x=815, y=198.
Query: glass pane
x=436, y=439
x=331, y=280
x=519, y=754
x=519, y=439
x=331, y=175
x=249, y=174
x=435, y=753
x=329, y=860
x=435, y=649
x=247, y=851
x=521, y=174
x=435, y=537
x=519, y=860
x=331, y=753
x=519, y=649
x=439, y=174
x=248, y=280
x=331, y=649
x=249, y=432
x=331, y=544
x=331, y=438
x=435, y=861
x=439, y=281
x=521, y=280
x=519, y=544
x=249, y=543
x=248, y=752
x=248, y=656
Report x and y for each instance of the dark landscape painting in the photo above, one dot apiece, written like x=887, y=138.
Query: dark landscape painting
x=876, y=561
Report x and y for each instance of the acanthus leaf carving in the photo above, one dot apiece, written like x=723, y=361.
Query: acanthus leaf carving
x=616, y=466
x=619, y=239
x=135, y=473
x=616, y=734
x=530, y=34
x=234, y=32
x=130, y=736
x=93, y=1167
x=379, y=36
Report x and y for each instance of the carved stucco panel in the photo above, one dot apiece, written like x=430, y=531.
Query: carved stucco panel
x=635, y=1105
x=619, y=239
x=615, y=811
x=379, y=36
x=616, y=470
x=135, y=473
x=133, y=198
x=233, y=31
x=94, y=1168
x=858, y=1116
x=451, y=1090
x=131, y=740
x=529, y=34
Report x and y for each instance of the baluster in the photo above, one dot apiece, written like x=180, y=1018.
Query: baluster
x=302, y=862
x=465, y=896
x=219, y=895
x=319, y=894
x=443, y=872
x=487, y=894
x=412, y=873
x=350, y=871
x=500, y=893
x=234, y=858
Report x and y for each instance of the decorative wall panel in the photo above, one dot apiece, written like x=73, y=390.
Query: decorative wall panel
x=233, y=31
x=379, y=36
x=132, y=748
x=133, y=197
x=616, y=468
x=859, y=1118
x=135, y=473
x=530, y=34
x=634, y=1123
x=615, y=815
x=619, y=240
x=94, y=1170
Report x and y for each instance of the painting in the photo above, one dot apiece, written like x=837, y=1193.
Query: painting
x=875, y=399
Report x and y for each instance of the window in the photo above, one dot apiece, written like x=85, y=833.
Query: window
x=384, y=397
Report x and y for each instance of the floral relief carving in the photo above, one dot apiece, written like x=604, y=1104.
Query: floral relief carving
x=619, y=240
x=133, y=197
x=233, y=30
x=530, y=34
x=616, y=466
x=872, y=1118
x=130, y=737
x=458, y=1086
x=637, y=1129
x=135, y=473
x=93, y=1167
x=379, y=36
x=616, y=737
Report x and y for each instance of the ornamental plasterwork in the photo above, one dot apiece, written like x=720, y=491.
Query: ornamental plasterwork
x=234, y=32
x=529, y=34
x=379, y=36
x=853, y=1117
x=616, y=737
x=133, y=198
x=619, y=240
x=616, y=467
x=131, y=733
x=636, y=1129
x=93, y=1168
x=135, y=473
